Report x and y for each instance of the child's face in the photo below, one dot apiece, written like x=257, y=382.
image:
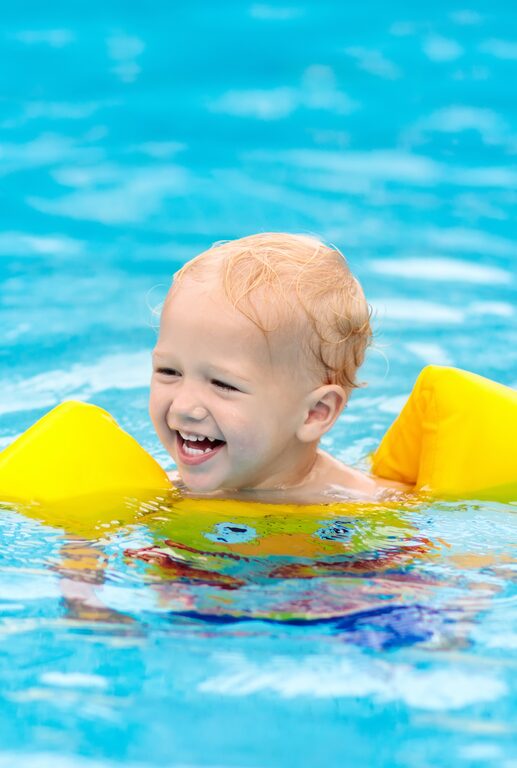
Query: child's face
x=215, y=376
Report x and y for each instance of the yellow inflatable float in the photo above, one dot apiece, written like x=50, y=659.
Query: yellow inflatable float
x=455, y=438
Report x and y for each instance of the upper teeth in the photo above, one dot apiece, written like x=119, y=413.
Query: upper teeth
x=193, y=438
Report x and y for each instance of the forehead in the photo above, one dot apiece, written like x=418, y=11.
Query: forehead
x=199, y=315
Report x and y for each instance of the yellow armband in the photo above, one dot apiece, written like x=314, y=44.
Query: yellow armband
x=76, y=449
x=456, y=437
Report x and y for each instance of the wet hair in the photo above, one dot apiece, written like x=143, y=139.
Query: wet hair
x=298, y=284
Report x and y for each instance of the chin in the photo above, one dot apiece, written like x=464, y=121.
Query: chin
x=201, y=484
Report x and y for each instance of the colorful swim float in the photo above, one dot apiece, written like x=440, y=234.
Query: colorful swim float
x=454, y=439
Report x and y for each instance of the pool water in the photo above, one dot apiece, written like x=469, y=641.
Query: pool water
x=132, y=138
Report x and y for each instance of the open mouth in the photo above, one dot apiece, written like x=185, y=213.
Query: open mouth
x=198, y=450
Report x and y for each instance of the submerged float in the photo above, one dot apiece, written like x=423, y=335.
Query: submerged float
x=455, y=438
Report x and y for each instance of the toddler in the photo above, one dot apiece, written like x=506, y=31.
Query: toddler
x=259, y=345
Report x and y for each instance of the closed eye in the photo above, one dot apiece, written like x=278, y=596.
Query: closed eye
x=168, y=371
x=173, y=372
x=222, y=385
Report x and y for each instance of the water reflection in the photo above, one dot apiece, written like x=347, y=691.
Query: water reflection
x=369, y=575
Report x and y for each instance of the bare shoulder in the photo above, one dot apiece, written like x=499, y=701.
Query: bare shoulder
x=329, y=481
x=336, y=476
x=382, y=482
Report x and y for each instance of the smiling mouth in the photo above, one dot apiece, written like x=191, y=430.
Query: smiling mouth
x=197, y=451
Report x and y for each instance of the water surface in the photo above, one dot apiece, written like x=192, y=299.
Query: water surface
x=131, y=139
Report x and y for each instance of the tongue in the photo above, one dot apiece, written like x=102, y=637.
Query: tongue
x=202, y=445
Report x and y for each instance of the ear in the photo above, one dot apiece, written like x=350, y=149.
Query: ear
x=323, y=406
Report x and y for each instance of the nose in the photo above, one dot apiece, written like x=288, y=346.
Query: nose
x=187, y=405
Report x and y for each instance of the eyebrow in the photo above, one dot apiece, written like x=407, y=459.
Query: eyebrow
x=216, y=371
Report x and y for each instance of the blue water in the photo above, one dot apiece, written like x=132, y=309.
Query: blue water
x=131, y=138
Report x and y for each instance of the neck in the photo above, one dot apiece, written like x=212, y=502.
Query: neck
x=290, y=476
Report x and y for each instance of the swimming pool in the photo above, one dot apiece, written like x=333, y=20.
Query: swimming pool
x=133, y=138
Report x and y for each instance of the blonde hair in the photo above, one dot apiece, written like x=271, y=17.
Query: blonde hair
x=334, y=318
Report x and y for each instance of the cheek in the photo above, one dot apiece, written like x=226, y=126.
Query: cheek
x=158, y=406
x=248, y=437
x=243, y=445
